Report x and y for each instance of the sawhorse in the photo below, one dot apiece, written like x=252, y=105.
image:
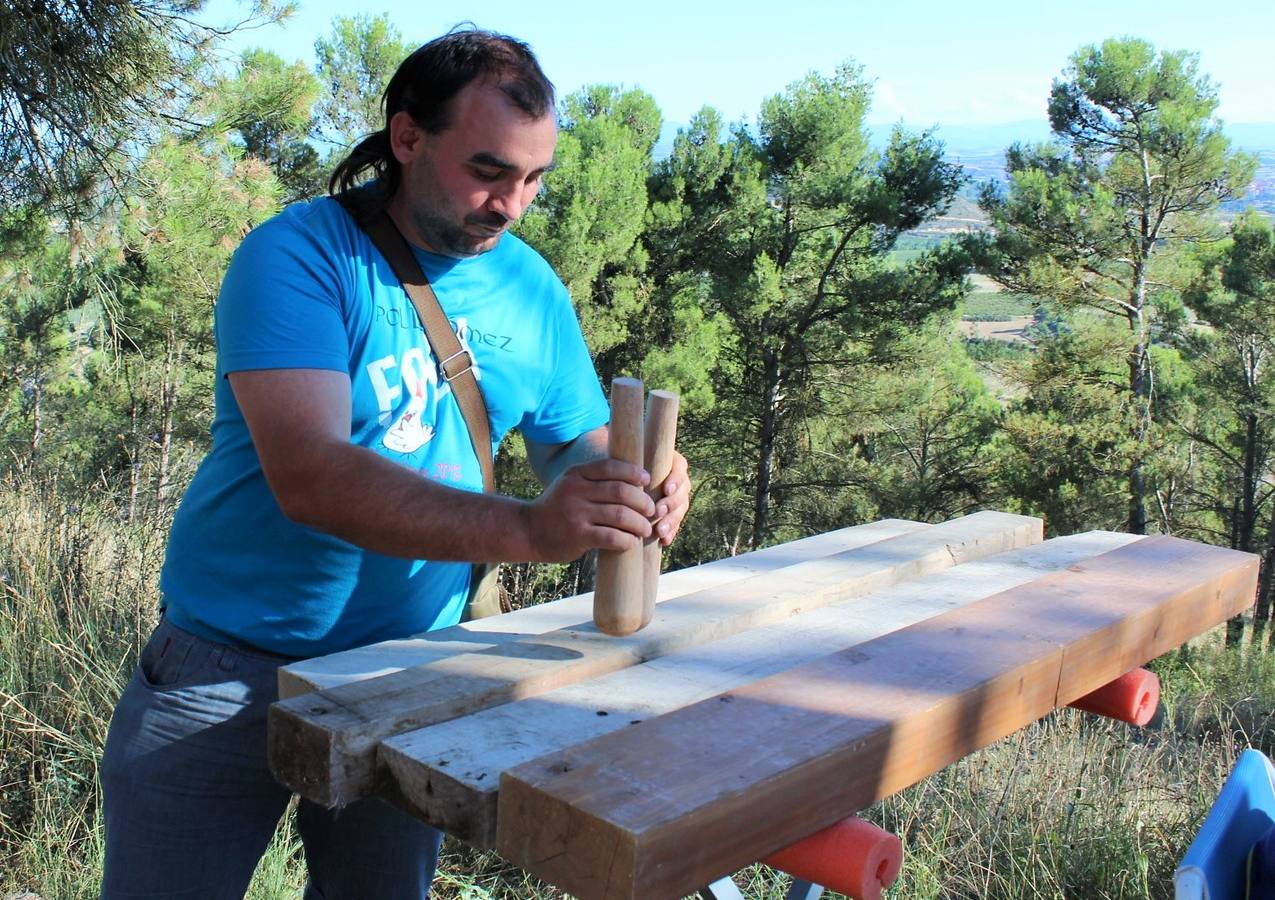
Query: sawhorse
x=725, y=889
x=860, y=860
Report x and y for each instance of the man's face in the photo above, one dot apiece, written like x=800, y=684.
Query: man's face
x=463, y=187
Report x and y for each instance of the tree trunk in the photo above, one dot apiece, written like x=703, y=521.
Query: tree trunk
x=134, y=450
x=1265, y=585
x=1139, y=361
x=1243, y=527
x=1235, y=624
x=1262, y=606
x=771, y=385
x=1248, y=508
x=168, y=407
x=1140, y=388
x=37, y=420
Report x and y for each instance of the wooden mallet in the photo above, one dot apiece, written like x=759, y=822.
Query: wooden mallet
x=627, y=581
x=617, y=593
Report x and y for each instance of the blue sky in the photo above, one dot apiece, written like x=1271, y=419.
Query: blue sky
x=985, y=61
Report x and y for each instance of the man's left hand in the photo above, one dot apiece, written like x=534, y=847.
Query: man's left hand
x=671, y=508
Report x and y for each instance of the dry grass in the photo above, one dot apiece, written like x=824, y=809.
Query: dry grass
x=75, y=602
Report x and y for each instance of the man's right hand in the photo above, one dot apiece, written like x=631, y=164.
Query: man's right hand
x=599, y=505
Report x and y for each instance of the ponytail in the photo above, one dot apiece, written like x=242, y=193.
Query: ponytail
x=372, y=154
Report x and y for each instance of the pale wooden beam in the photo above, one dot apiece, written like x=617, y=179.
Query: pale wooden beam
x=449, y=774
x=323, y=745
x=675, y=802
x=386, y=657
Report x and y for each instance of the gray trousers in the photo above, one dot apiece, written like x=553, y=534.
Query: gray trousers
x=190, y=804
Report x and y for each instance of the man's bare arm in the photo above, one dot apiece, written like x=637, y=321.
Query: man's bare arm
x=549, y=461
x=300, y=424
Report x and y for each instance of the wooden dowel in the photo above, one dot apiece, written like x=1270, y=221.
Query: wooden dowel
x=617, y=596
x=661, y=430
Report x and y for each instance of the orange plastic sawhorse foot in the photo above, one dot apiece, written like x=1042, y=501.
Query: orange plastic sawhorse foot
x=853, y=857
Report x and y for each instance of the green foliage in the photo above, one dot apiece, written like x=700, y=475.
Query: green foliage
x=268, y=106
x=1064, y=451
x=996, y=306
x=685, y=362
x=191, y=210
x=1096, y=219
x=37, y=290
x=791, y=231
x=106, y=337
x=993, y=350
x=84, y=82
x=194, y=203
x=1237, y=279
x=930, y=432
x=354, y=65
x=1233, y=417
x=812, y=137
x=588, y=221
x=894, y=438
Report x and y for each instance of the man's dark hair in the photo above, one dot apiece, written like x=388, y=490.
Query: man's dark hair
x=427, y=82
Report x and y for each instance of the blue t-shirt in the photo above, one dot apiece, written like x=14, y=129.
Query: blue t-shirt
x=309, y=290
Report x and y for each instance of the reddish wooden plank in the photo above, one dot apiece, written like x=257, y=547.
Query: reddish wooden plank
x=680, y=800
x=449, y=774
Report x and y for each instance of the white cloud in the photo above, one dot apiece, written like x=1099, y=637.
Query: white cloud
x=886, y=106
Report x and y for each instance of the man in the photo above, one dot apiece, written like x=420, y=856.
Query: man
x=342, y=494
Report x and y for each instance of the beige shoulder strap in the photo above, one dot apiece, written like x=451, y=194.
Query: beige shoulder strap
x=456, y=362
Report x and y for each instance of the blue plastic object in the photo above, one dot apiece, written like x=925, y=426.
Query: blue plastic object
x=1214, y=865
x=1260, y=870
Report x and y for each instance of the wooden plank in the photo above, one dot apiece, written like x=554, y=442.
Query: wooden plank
x=386, y=657
x=449, y=774
x=323, y=745
x=680, y=800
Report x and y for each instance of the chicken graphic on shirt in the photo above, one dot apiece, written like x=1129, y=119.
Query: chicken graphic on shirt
x=425, y=387
x=411, y=431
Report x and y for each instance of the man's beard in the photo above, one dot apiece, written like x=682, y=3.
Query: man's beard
x=442, y=234
x=446, y=238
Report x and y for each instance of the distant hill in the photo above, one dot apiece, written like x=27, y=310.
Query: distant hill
x=980, y=149
x=978, y=140
x=972, y=140
x=1254, y=137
